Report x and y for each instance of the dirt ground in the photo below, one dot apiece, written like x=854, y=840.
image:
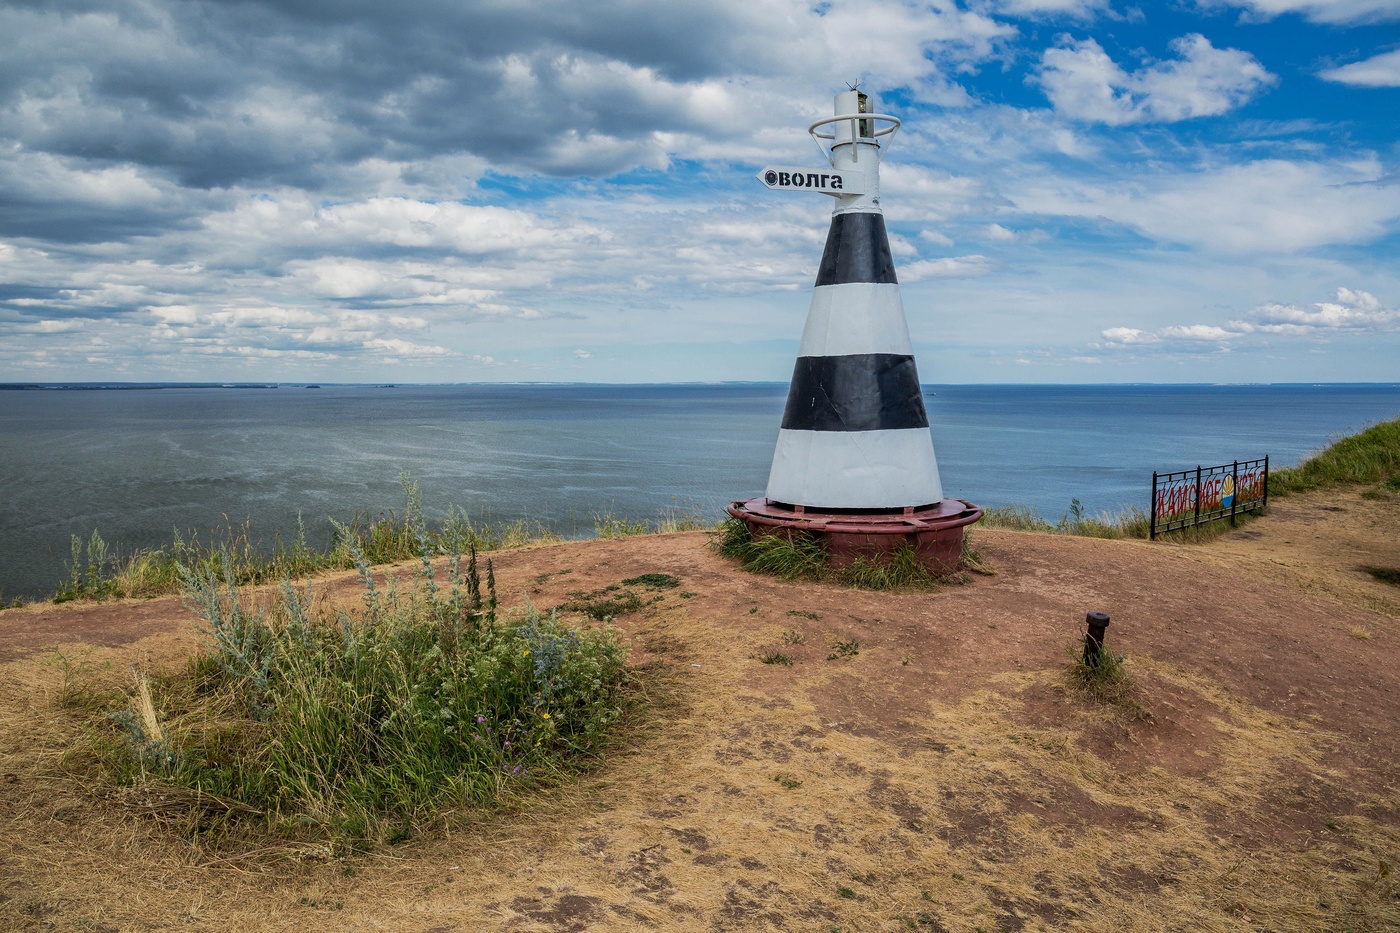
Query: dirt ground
x=922, y=764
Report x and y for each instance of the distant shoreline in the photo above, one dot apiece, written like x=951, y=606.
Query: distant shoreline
x=133, y=386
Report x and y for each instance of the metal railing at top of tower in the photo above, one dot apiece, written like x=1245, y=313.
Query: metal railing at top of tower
x=1185, y=498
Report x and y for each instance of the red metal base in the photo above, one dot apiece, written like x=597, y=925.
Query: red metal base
x=934, y=531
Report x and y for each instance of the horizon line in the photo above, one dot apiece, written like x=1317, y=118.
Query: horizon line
x=312, y=384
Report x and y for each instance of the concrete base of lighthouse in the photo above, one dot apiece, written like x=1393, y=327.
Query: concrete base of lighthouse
x=935, y=532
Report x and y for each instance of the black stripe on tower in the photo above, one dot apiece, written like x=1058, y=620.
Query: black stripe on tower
x=857, y=250
x=859, y=392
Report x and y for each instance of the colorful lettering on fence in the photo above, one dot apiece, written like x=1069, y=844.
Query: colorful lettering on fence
x=1223, y=490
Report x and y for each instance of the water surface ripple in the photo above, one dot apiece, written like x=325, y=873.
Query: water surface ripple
x=137, y=464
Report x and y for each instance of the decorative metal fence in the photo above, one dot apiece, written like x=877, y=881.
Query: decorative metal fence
x=1208, y=494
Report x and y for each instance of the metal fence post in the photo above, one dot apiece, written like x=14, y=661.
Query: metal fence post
x=1152, y=510
x=1266, y=481
x=1196, y=519
x=1235, y=499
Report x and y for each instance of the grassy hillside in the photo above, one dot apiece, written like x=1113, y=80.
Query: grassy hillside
x=1371, y=457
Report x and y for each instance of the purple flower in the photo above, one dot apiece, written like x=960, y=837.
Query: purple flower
x=481, y=719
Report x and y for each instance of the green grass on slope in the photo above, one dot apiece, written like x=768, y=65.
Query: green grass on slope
x=1373, y=456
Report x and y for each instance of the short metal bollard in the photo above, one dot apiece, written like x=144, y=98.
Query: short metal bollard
x=1093, y=639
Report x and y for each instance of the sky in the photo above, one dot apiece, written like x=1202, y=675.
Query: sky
x=449, y=191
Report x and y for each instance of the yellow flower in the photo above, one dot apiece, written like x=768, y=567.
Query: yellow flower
x=546, y=715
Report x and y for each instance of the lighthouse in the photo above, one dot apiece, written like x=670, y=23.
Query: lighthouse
x=854, y=463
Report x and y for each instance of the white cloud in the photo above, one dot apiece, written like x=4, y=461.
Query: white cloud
x=343, y=278
x=1378, y=71
x=1266, y=206
x=1083, y=83
x=900, y=43
x=1074, y=9
x=928, y=194
x=43, y=327
x=1351, y=312
x=403, y=349
x=948, y=267
x=409, y=223
x=263, y=330
x=582, y=354
x=56, y=178
x=174, y=314
x=1337, y=12
x=1124, y=336
x=1202, y=332
x=1354, y=311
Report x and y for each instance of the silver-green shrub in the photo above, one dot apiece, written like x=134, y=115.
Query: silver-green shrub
x=423, y=697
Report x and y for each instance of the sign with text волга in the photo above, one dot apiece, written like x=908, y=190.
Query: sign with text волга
x=827, y=181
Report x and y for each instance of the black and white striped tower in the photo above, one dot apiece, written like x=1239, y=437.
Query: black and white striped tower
x=854, y=461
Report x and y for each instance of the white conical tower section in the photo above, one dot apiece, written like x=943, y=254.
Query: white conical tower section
x=855, y=432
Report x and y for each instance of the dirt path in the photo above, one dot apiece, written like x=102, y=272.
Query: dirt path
x=938, y=777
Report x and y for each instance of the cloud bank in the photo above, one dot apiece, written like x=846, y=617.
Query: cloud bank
x=201, y=190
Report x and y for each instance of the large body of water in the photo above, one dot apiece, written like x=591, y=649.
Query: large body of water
x=138, y=464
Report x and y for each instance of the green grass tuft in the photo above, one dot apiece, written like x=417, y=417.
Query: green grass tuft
x=844, y=649
x=619, y=598
x=1107, y=681
x=800, y=556
x=608, y=525
x=603, y=606
x=1130, y=523
x=352, y=726
x=657, y=581
x=1370, y=457
x=611, y=526
x=1015, y=518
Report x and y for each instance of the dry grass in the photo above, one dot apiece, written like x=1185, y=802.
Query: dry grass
x=823, y=795
x=1325, y=543
x=989, y=818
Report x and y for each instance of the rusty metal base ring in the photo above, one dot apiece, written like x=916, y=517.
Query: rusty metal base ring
x=935, y=532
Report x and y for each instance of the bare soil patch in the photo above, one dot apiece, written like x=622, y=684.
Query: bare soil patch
x=935, y=773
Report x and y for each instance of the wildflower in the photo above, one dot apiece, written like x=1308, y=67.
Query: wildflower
x=481, y=719
x=507, y=745
x=546, y=715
